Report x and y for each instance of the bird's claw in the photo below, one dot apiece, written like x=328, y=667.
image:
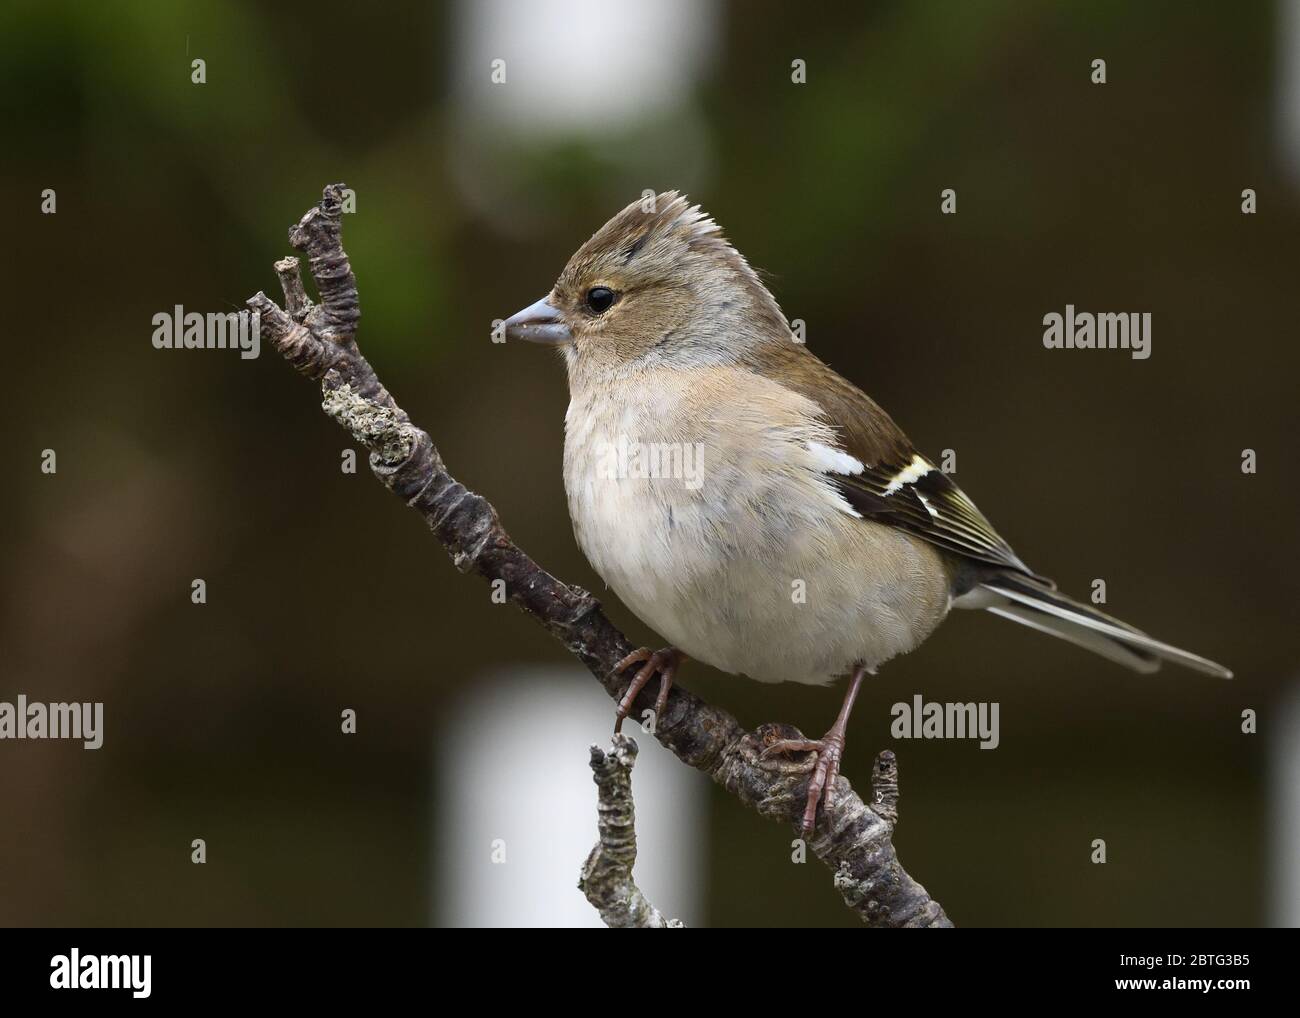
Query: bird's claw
x=665, y=662
x=825, y=766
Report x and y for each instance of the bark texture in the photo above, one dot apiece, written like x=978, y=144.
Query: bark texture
x=606, y=877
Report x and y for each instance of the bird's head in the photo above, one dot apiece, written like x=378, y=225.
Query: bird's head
x=657, y=285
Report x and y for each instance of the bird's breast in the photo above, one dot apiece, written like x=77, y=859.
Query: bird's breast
x=706, y=515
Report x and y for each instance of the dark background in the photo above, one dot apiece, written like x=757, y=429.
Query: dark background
x=323, y=591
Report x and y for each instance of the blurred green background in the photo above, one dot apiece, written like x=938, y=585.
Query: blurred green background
x=325, y=592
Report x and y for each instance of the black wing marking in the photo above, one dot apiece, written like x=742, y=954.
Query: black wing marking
x=920, y=498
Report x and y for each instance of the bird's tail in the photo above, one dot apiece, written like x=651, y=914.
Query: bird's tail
x=1040, y=607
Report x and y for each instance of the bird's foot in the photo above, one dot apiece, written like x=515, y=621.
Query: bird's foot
x=665, y=662
x=829, y=751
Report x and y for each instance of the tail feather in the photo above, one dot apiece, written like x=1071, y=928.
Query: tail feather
x=1044, y=609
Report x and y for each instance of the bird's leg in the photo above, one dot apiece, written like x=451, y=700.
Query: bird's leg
x=665, y=662
x=829, y=749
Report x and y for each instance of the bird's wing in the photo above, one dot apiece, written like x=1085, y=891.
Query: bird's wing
x=917, y=496
x=895, y=484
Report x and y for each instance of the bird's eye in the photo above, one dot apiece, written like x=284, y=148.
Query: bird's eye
x=600, y=299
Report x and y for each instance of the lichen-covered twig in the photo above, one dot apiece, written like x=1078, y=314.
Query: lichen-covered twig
x=606, y=877
x=853, y=839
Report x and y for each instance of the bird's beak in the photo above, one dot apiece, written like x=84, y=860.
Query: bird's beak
x=538, y=323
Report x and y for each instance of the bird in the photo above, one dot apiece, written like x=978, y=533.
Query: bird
x=749, y=504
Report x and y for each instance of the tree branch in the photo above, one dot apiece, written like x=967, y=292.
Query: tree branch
x=854, y=840
x=606, y=877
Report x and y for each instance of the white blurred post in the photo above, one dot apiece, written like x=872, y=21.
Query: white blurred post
x=1285, y=794
x=616, y=81
x=1285, y=738
x=1288, y=84
x=580, y=67
x=516, y=806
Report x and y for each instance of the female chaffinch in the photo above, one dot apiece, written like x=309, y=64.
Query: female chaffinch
x=748, y=503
